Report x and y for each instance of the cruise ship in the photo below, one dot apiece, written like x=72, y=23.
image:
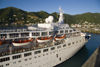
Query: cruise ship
x=41, y=45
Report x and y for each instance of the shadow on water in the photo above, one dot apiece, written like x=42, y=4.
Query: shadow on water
x=77, y=60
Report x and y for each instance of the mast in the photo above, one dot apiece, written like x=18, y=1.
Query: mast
x=60, y=21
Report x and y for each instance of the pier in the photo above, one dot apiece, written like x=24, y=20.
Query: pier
x=94, y=59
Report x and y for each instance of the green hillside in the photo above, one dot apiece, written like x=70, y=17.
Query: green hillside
x=16, y=17
x=90, y=17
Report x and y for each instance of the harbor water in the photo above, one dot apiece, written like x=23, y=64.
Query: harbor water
x=80, y=57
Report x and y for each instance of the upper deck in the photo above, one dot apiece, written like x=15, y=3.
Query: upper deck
x=16, y=33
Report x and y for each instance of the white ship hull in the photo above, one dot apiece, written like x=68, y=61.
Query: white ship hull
x=51, y=57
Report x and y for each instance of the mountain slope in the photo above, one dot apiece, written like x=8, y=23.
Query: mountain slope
x=16, y=17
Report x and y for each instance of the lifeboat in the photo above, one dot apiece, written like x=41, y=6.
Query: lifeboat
x=1, y=42
x=21, y=42
x=44, y=39
x=60, y=37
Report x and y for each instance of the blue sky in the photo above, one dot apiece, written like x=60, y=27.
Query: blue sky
x=69, y=6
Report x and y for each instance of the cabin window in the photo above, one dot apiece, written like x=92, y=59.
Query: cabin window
x=35, y=34
x=30, y=58
x=69, y=44
x=66, y=31
x=14, y=62
x=35, y=57
x=44, y=33
x=14, y=35
x=7, y=64
x=74, y=30
x=50, y=33
x=76, y=41
x=57, y=55
x=45, y=50
x=46, y=53
x=24, y=34
x=64, y=45
x=38, y=56
x=25, y=59
x=80, y=40
x=72, y=42
x=58, y=47
x=19, y=61
x=37, y=52
x=70, y=30
x=56, y=32
x=61, y=31
x=1, y=65
x=16, y=56
x=27, y=54
x=60, y=58
x=3, y=35
x=52, y=48
x=4, y=59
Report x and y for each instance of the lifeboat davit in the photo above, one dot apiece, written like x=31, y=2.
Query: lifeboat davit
x=60, y=37
x=44, y=39
x=21, y=42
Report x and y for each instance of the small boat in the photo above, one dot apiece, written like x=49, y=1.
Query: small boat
x=44, y=39
x=60, y=37
x=1, y=42
x=21, y=42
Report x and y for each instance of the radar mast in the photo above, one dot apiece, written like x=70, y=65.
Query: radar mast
x=60, y=21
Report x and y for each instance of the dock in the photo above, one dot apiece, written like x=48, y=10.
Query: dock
x=94, y=59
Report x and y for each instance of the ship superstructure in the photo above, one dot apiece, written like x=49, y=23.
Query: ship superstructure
x=40, y=45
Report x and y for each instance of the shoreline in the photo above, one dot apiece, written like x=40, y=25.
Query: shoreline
x=93, y=32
